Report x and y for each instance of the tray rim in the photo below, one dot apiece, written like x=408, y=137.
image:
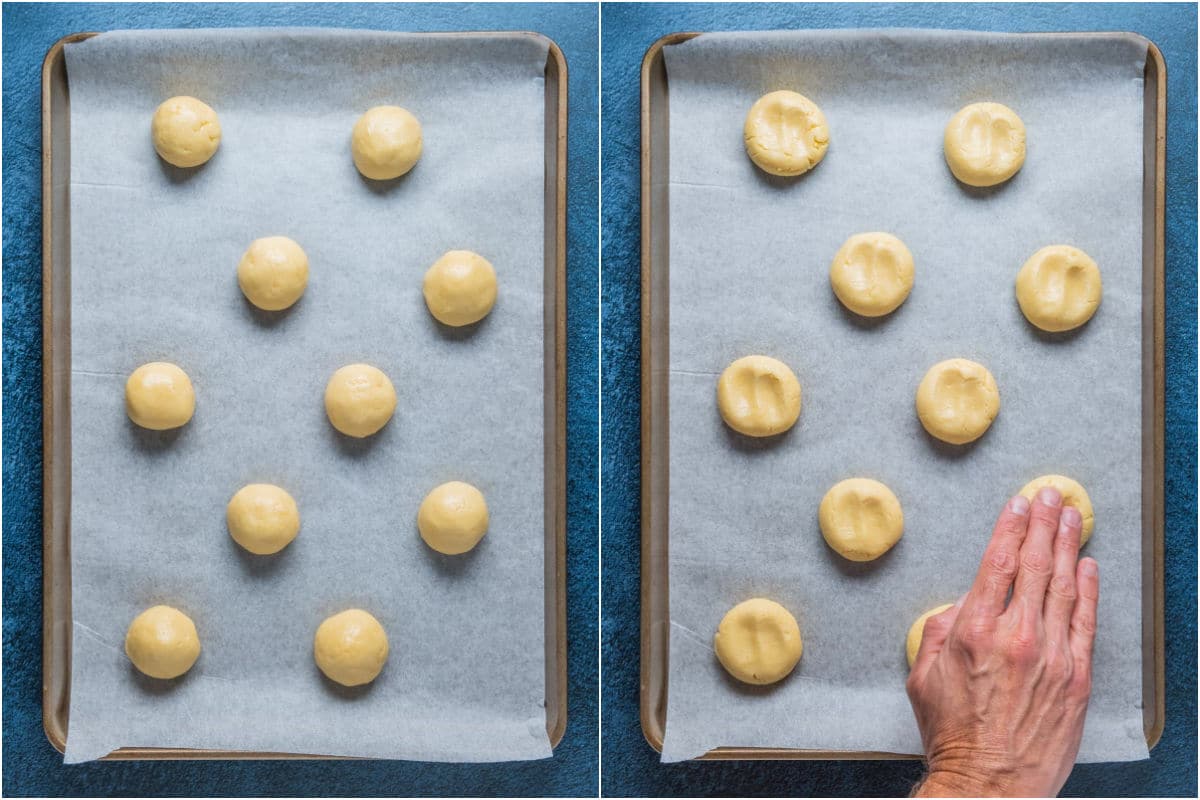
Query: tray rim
x=54, y=726
x=649, y=704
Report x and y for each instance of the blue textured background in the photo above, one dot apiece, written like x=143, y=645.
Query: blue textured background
x=630, y=766
x=31, y=766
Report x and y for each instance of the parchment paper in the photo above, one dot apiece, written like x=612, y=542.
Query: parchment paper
x=154, y=257
x=749, y=268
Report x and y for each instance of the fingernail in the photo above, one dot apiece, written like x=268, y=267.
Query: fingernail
x=1019, y=505
x=1089, y=567
x=1049, y=496
x=1071, y=517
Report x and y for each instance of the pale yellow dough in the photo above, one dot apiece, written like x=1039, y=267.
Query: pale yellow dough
x=916, y=633
x=359, y=400
x=957, y=400
x=185, y=131
x=386, y=142
x=453, y=518
x=786, y=133
x=1073, y=494
x=162, y=642
x=351, y=647
x=273, y=273
x=1059, y=288
x=872, y=273
x=460, y=288
x=758, y=641
x=861, y=519
x=262, y=518
x=758, y=396
x=985, y=144
x=159, y=396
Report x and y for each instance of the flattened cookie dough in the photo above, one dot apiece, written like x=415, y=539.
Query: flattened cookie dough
x=359, y=400
x=185, y=131
x=453, y=518
x=162, y=642
x=273, y=273
x=262, y=518
x=386, y=142
x=758, y=396
x=985, y=144
x=1059, y=288
x=1073, y=494
x=785, y=133
x=460, y=288
x=159, y=396
x=872, y=274
x=957, y=400
x=916, y=633
x=351, y=647
x=861, y=519
x=758, y=641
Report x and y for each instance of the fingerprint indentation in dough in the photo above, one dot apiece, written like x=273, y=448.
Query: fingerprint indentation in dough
x=767, y=393
x=988, y=140
x=957, y=394
x=870, y=267
x=788, y=125
x=1059, y=281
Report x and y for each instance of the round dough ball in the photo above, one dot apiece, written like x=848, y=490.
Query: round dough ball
x=359, y=400
x=1073, y=494
x=985, y=144
x=917, y=632
x=453, y=518
x=460, y=288
x=262, y=518
x=162, y=642
x=957, y=400
x=273, y=273
x=351, y=647
x=386, y=142
x=1059, y=288
x=185, y=131
x=786, y=133
x=159, y=396
x=872, y=274
x=758, y=396
x=861, y=519
x=758, y=641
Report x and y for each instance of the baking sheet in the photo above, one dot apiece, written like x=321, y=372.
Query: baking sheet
x=154, y=252
x=743, y=514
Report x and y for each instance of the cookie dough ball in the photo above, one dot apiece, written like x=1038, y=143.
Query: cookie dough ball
x=758, y=396
x=262, y=518
x=758, y=641
x=159, y=396
x=185, y=131
x=273, y=273
x=957, y=400
x=1059, y=289
x=351, y=648
x=359, y=400
x=386, y=142
x=1073, y=494
x=785, y=133
x=453, y=518
x=917, y=632
x=861, y=519
x=985, y=144
x=162, y=642
x=460, y=288
x=872, y=274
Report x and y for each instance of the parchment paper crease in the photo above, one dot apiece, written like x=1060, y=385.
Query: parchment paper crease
x=154, y=254
x=749, y=274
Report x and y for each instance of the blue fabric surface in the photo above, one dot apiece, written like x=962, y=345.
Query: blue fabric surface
x=630, y=767
x=32, y=767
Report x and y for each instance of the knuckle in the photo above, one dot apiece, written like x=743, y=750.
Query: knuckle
x=1044, y=515
x=976, y=634
x=1080, y=685
x=1067, y=542
x=1002, y=563
x=1023, y=647
x=1084, y=624
x=1036, y=562
x=1063, y=587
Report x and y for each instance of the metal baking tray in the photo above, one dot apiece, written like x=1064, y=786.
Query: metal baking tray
x=655, y=254
x=56, y=399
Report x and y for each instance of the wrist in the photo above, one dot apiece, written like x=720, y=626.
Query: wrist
x=957, y=783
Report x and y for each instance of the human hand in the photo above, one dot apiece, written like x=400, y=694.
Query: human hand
x=1000, y=689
